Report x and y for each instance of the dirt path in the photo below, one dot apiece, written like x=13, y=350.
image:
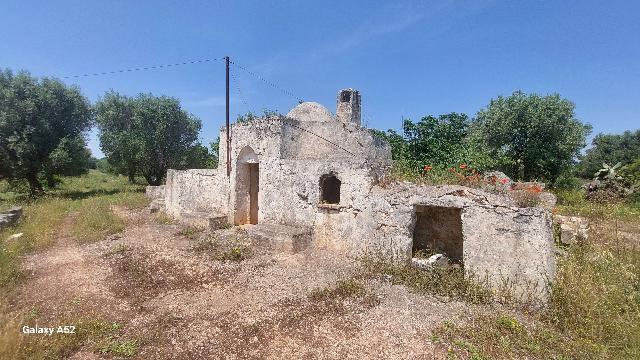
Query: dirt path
x=183, y=294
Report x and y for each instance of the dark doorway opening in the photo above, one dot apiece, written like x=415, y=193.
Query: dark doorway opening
x=438, y=230
x=254, y=180
x=247, y=187
x=329, y=189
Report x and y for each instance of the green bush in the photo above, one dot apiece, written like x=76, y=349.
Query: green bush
x=568, y=181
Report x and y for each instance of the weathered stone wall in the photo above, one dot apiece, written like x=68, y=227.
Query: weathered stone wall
x=289, y=186
x=292, y=194
x=10, y=217
x=510, y=247
x=503, y=244
x=359, y=143
x=196, y=190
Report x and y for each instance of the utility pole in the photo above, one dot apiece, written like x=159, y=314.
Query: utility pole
x=226, y=61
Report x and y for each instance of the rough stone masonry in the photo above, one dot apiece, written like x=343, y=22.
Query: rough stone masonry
x=323, y=172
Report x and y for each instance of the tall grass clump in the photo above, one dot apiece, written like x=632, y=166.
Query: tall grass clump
x=596, y=297
x=573, y=202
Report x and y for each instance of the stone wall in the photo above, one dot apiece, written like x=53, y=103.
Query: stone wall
x=196, y=190
x=511, y=248
x=503, y=244
x=360, y=145
x=10, y=217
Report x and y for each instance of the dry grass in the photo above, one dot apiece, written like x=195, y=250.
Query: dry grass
x=39, y=225
x=190, y=232
x=235, y=249
x=448, y=283
x=525, y=198
x=503, y=336
x=88, y=200
x=95, y=220
x=343, y=289
x=92, y=334
x=88, y=197
x=10, y=342
x=164, y=218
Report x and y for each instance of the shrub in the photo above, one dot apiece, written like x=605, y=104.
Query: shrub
x=567, y=181
x=608, y=191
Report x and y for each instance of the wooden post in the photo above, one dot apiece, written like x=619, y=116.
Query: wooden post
x=226, y=61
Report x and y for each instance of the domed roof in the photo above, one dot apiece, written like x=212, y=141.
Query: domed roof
x=310, y=111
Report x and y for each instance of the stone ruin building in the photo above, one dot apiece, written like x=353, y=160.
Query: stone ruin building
x=319, y=177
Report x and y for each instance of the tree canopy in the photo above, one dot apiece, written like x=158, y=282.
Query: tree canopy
x=42, y=123
x=436, y=141
x=611, y=149
x=147, y=135
x=531, y=136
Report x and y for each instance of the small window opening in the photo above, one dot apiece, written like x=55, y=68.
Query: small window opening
x=438, y=230
x=329, y=189
x=345, y=96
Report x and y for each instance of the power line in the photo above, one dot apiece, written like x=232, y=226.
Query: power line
x=238, y=92
x=273, y=85
x=141, y=68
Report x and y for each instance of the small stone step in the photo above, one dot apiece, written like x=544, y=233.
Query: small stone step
x=282, y=237
x=218, y=222
x=199, y=219
x=204, y=220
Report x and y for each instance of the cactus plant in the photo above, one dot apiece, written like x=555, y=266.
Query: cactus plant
x=607, y=172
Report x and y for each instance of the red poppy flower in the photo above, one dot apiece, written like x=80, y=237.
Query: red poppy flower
x=428, y=167
x=536, y=189
x=504, y=181
x=463, y=166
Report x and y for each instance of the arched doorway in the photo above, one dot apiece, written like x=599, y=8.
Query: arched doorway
x=247, y=187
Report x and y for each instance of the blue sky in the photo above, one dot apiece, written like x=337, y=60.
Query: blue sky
x=408, y=59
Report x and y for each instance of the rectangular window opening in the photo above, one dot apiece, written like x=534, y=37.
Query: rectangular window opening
x=438, y=230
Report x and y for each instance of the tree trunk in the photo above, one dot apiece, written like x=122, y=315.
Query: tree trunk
x=51, y=181
x=132, y=177
x=34, y=185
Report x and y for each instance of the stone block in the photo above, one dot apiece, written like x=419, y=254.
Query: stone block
x=10, y=217
x=572, y=229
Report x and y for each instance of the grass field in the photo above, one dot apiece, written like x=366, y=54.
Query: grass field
x=86, y=200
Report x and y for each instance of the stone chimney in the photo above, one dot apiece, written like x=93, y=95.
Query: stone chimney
x=348, y=108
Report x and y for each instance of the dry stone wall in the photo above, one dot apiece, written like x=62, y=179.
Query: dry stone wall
x=196, y=190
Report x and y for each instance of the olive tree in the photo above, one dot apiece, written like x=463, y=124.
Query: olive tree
x=147, y=135
x=41, y=121
x=531, y=136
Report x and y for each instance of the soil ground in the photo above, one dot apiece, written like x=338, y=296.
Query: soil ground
x=187, y=294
